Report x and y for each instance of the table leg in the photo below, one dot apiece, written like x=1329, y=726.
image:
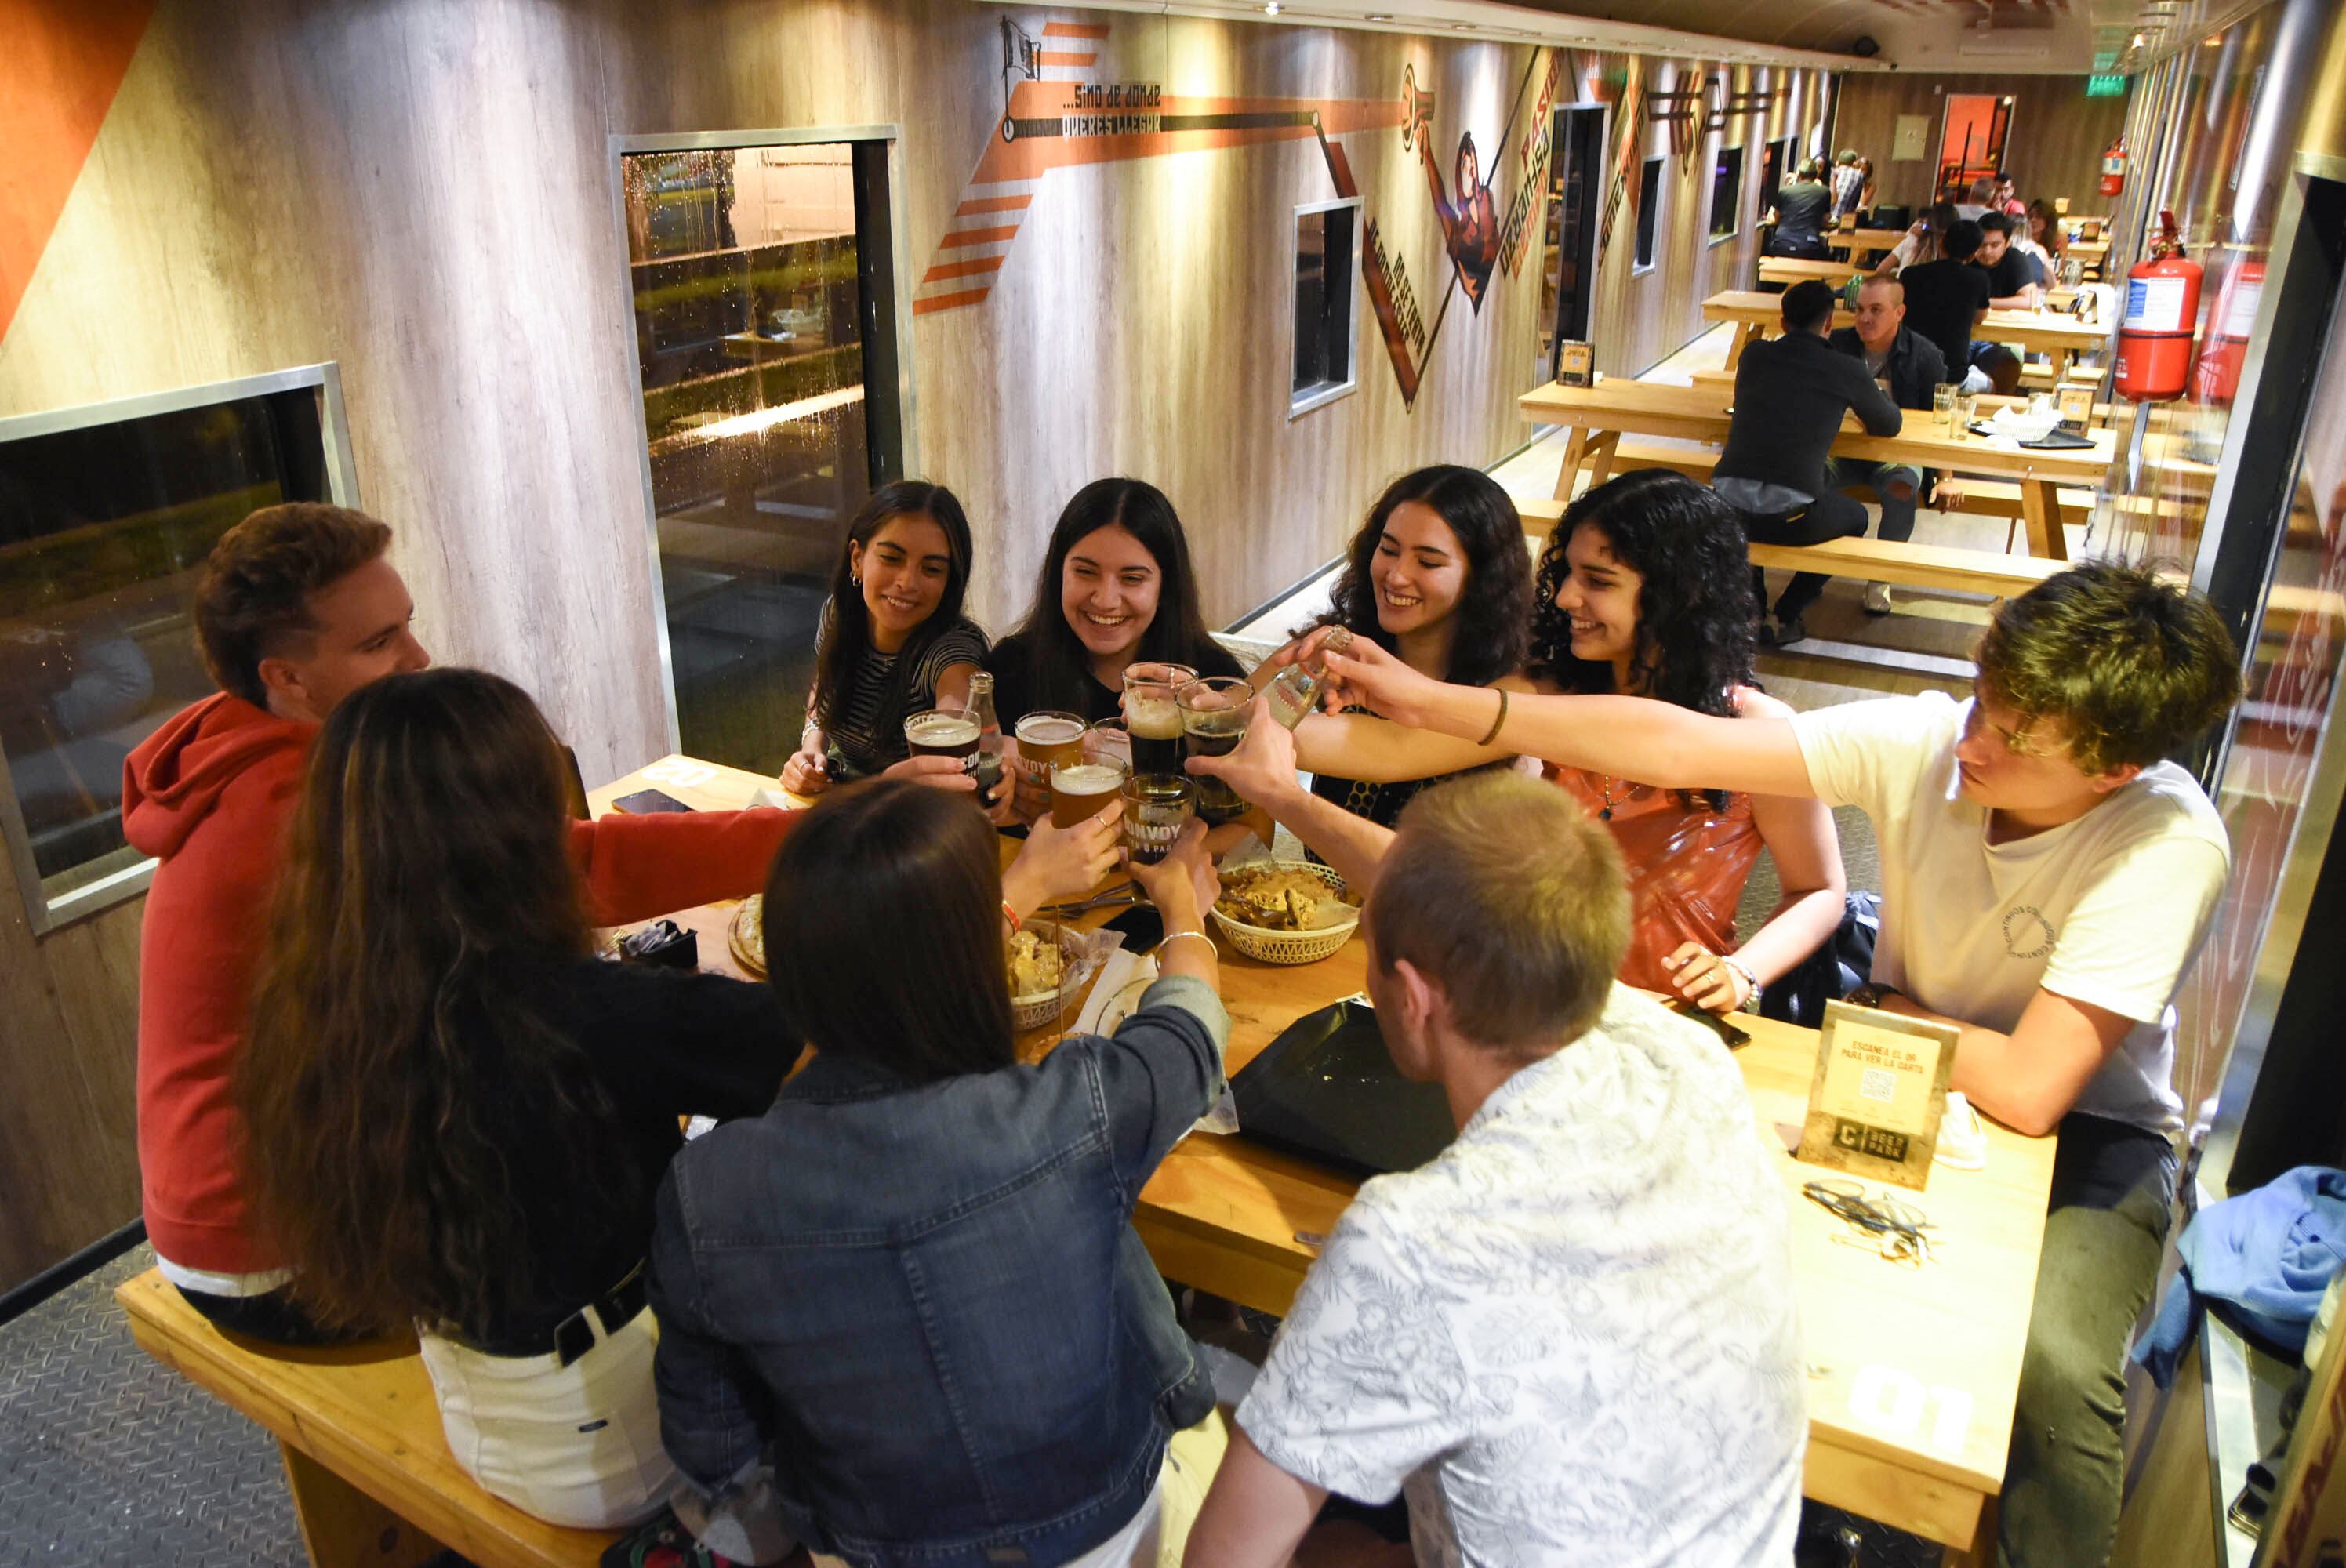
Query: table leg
x=1600, y=457
x=2040, y=504
x=1575, y=442
x=2060, y=357
x=1746, y=333
x=344, y=1527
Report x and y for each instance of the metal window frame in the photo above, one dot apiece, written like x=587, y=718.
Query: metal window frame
x=1638, y=268
x=1734, y=231
x=45, y=914
x=1322, y=394
x=618, y=148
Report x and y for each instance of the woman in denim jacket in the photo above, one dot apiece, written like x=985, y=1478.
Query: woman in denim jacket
x=905, y=1318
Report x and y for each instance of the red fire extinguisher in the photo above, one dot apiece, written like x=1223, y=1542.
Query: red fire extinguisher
x=2162, y=311
x=2114, y=162
x=2217, y=377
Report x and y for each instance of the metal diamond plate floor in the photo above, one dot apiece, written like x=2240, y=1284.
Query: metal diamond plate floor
x=108, y=1457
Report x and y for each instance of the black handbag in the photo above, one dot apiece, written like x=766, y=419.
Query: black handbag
x=1841, y=962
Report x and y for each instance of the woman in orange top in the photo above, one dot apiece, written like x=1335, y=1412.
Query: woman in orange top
x=1643, y=590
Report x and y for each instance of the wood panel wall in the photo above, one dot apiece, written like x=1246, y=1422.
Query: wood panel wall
x=422, y=192
x=2054, y=149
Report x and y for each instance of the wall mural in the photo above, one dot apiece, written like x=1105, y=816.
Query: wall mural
x=1058, y=112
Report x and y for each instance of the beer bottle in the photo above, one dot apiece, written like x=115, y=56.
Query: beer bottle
x=1296, y=691
x=987, y=763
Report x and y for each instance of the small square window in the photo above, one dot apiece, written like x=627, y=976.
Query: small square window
x=1326, y=259
x=1726, y=192
x=1649, y=212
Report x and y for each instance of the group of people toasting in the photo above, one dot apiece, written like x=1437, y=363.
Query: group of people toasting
x=892, y=1311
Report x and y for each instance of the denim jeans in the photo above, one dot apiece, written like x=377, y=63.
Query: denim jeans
x=2112, y=1186
x=1885, y=480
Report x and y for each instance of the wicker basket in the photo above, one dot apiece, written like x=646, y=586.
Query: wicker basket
x=1290, y=946
x=1042, y=1009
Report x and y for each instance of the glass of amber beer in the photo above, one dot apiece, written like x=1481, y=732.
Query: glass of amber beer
x=1087, y=786
x=1045, y=738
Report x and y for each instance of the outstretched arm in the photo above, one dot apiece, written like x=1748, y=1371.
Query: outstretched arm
x=1262, y=770
x=1628, y=737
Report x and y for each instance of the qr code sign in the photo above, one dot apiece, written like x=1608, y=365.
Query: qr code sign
x=1879, y=1084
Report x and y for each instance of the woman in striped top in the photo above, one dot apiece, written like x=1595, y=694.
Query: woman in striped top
x=892, y=640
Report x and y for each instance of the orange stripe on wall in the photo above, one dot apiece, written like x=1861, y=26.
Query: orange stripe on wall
x=986, y=204
x=977, y=236
x=969, y=269
x=67, y=60
x=1075, y=30
x=935, y=302
x=1059, y=57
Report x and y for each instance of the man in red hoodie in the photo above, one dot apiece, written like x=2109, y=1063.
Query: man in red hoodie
x=298, y=608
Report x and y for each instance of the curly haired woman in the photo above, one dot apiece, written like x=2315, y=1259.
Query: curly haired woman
x=1643, y=590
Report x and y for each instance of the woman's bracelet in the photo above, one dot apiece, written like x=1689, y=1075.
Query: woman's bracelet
x=1012, y=916
x=1172, y=937
x=1498, y=723
x=1751, y=985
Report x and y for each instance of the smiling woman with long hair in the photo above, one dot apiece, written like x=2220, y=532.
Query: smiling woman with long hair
x=1439, y=575
x=455, y=1114
x=892, y=640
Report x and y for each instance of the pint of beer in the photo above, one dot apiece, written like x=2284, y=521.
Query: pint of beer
x=1046, y=737
x=942, y=732
x=1213, y=721
x=1152, y=713
x=1156, y=809
x=1085, y=788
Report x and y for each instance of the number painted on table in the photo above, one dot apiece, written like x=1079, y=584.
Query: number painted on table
x=1894, y=1401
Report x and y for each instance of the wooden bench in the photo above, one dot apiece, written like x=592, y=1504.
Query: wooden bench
x=1908, y=563
x=373, y=1481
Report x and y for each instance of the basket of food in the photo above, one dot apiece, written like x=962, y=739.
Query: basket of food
x=744, y=936
x=1285, y=911
x=1045, y=962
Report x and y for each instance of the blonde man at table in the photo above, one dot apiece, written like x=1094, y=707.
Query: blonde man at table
x=1570, y=1338
x=2047, y=878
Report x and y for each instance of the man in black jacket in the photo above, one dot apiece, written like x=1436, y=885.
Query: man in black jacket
x=1909, y=367
x=1790, y=393
x=1801, y=212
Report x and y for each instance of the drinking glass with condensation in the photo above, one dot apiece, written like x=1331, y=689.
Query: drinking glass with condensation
x=1089, y=784
x=1156, y=806
x=1214, y=713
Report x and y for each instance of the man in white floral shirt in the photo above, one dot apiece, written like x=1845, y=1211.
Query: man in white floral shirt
x=1569, y=1338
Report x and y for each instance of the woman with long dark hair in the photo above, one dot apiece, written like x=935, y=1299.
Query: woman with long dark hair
x=457, y=1114
x=1438, y=576
x=1644, y=590
x=892, y=640
x=1115, y=589
x=904, y=1315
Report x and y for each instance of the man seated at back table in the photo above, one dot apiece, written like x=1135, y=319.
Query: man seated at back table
x=1570, y=1338
x=1947, y=298
x=1907, y=366
x=2014, y=282
x=1790, y=393
x=2047, y=878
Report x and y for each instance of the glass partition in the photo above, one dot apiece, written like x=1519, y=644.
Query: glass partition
x=765, y=309
x=107, y=515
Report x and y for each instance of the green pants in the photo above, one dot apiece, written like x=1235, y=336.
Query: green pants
x=2112, y=1186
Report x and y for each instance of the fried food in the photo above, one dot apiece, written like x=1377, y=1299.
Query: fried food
x=1282, y=898
x=1033, y=962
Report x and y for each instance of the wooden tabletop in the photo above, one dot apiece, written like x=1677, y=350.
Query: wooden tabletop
x=1912, y=1370
x=1802, y=270
x=1700, y=413
x=1863, y=239
x=2042, y=331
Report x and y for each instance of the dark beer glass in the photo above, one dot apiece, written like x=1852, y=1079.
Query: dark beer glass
x=1213, y=721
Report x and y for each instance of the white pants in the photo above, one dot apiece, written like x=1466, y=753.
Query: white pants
x=577, y=1445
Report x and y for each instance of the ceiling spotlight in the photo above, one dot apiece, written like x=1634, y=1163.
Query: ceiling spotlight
x=1270, y=9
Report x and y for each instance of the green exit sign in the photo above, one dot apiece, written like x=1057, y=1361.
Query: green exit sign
x=2105, y=86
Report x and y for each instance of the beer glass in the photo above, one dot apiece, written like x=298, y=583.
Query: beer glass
x=1109, y=738
x=942, y=732
x=1156, y=809
x=1152, y=713
x=1085, y=787
x=1045, y=738
x=1943, y=406
x=1213, y=721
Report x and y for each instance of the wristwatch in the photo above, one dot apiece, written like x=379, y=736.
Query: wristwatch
x=1871, y=994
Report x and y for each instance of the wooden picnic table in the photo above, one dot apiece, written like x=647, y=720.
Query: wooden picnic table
x=1597, y=417
x=1913, y=1372
x=1861, y=242
x=1988, y=401
x=2050, y=333
x=1802, y=270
